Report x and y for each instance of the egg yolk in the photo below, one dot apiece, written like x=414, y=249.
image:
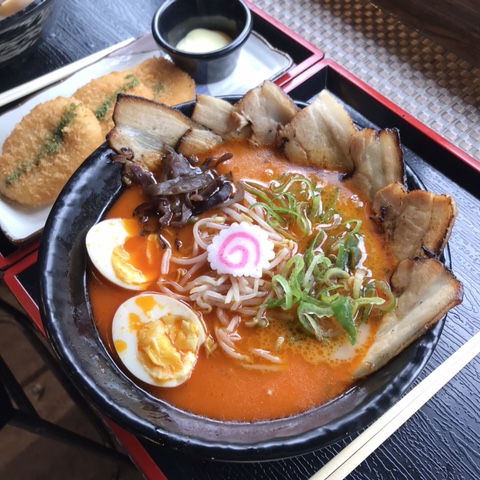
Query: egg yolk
x=166, y=345
x=137, y=261
x=166, y=349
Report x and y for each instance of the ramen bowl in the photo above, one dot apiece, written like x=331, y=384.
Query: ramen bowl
x=67, y=317
x=176, y=19
x=21, y=31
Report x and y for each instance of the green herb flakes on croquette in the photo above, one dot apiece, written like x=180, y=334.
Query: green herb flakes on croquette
x=100, y=95
x=51, y=141
x=45, y=148
x=167, y=83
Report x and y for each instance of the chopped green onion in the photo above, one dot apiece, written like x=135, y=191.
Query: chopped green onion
x=308, y=316
x=326, y=286
x=343, y=313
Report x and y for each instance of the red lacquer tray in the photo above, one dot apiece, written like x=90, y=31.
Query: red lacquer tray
x=303, y=55
x=443, y=168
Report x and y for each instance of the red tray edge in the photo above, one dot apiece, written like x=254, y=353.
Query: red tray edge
x=18, y=290
x=22, y=251
x=137, y=452
x=447, y=145
x=316, y=53
x=285, y=30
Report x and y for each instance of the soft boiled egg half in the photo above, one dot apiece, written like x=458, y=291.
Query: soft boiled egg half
x=122, y=255
x=157, y=338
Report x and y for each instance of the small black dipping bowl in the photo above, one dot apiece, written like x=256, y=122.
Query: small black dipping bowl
x=176, y=18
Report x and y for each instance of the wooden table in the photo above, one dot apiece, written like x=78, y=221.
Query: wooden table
x=441, y=441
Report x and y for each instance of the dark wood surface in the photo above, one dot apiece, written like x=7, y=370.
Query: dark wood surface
x=441, y=441
x=80, y=29
x=452, y=23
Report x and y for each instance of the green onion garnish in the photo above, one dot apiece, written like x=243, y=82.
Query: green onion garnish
x=326, y=287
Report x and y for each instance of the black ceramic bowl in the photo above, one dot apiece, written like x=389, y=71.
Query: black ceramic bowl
x=21, y=32
x=174, y=19
x=67, y=319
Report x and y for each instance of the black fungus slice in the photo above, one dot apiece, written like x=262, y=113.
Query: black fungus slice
x=180, y=189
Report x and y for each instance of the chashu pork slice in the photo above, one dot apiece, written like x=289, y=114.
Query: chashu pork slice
x=416, y=223
x=319, y=135
x=144, y=127
x=197, y=140
x=148, y=123
x=265, y=108
x=377, y=159
x=425, y=291
x=218, y=115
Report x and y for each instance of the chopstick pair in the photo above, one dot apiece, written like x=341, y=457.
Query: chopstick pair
x=357, y=451
x=57, y=75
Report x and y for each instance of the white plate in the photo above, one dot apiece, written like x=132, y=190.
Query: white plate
x=258, y=61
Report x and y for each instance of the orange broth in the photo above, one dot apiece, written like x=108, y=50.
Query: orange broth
x=220, y=387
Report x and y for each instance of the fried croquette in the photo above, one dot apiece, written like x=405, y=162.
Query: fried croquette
x=168, y=84
x=45, y=148
x=50, y=142
x=100, y=94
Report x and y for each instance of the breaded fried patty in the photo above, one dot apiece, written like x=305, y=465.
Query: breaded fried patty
x=50, y=142
x=168, y=84
x=100, y=94
x=45, y=148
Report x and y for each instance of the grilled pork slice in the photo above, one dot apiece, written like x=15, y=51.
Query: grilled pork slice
x=377, y=158
x=145, y=127
x=416, y=223
x=319, y=135
x=197, y=140
x=219, y=116
x=425, y=291
x=265, y=108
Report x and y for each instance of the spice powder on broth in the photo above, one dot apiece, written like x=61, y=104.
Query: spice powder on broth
x=311, y=372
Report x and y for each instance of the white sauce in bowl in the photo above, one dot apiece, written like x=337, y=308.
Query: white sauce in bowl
x=202, y=40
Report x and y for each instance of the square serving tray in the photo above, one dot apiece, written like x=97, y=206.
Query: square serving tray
x=10, y=253
x=443, y=169
x=280, y=41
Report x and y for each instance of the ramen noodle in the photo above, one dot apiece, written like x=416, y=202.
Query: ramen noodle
x=263, y=258
x=257, y=362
